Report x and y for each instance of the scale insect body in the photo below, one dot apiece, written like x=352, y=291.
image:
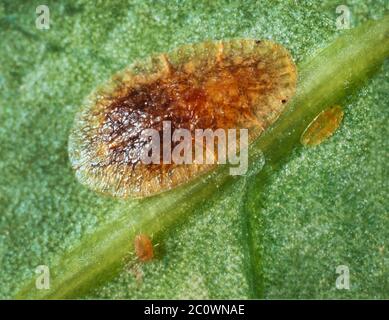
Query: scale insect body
x=215, y=85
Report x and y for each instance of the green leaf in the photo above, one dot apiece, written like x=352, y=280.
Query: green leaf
x=218, y=236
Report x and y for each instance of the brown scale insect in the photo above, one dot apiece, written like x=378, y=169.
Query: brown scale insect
x=143, y=248
x=323, y=126
x=242, y=83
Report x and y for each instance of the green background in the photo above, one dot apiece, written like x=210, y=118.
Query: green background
x=327, y=206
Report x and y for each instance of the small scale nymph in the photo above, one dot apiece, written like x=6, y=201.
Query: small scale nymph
x=143, y=248
x=323, y=126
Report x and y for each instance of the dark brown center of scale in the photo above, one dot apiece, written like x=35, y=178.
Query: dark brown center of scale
x=221, y=98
